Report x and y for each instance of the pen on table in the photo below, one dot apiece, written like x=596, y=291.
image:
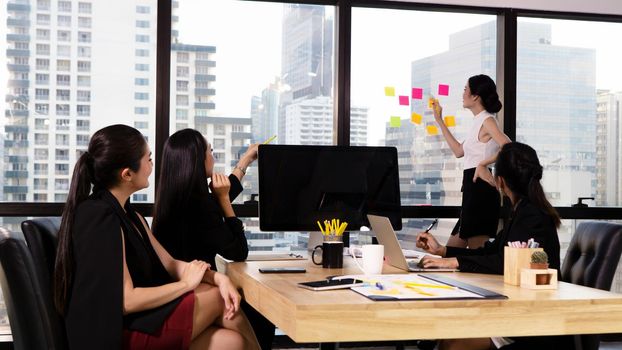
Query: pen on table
x=269, y=140
x=425, y=285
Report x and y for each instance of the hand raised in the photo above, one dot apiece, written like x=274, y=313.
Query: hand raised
x=220, y=185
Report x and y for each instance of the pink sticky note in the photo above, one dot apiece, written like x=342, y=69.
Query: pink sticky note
x=443, y=90
x=417, y=94
x=404, y=101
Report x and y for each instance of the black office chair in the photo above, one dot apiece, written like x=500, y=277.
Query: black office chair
x=42, y=238
x=34, y=323
x=591, y=260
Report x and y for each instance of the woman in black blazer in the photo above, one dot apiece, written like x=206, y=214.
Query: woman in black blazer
x=195, y=221
x=114, y=284
x=518, y=173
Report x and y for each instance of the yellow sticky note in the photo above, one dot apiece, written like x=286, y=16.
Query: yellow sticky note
x=450, y=120
x=416, y=118
x=389, y=91
x=396, y=122
x=432, y=129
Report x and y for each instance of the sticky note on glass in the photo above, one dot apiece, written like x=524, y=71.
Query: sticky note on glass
x=389, y=91
x=443, y=90
x=404, y=101
x=396, y=122
x=450, y=120
x=432, y=129
x=417, y=94
x=416, y=118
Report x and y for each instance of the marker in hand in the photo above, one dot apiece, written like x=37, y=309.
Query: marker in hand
x=427, y=230
x=269, y=140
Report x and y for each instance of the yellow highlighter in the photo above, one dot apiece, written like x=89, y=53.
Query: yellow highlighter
x=269, y=140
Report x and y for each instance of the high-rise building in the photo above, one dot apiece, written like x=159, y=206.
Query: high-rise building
x=307, y=54
x=265, y=112
x=608, y=148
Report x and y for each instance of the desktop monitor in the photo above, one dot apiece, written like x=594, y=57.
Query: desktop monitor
x=300, y=185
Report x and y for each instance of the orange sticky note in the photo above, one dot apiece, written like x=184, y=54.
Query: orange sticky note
x=432, y=129
x=450, y=120
x=416, y=118
x=389, y=91
x=395, y=122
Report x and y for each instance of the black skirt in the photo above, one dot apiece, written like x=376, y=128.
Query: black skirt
x=479, y=215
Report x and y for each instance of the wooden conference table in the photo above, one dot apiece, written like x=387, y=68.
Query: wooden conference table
x=343, y=315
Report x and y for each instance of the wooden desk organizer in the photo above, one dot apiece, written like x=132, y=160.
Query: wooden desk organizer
x=528, y=278
x=514, y=260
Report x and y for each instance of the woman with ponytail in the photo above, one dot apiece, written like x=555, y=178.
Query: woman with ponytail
x=517, y=174
x=480, y=200
x=114, y=284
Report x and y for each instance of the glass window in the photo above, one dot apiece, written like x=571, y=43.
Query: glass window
x=142, y=24
x=294, y=74
x=142, y=53
x=64, y=6
x=63, y=79
x=141, y=67
x=43, y=19
x=568, y=106
x=84, y=51
x=43, y=5
x=63, y=35
x=391, y=85
x=84, y=7
x=84, y=37
x=62, y=95
x=63, y=65
x=84, y=22
x=64, y=21
x=143, y=9
x=43, y=34
x=142, y=38
x=43, y=64
x=63, y=50
x=141, y=96
x=84, y=66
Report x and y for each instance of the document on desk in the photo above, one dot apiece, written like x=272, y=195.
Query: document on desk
x=420, y=287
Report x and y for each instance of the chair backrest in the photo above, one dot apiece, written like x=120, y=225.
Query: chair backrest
x=593, y=255
x=42, y=238
x=591, y=261
x=34, y=323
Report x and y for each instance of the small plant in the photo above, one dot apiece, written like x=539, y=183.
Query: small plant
x=539, y=257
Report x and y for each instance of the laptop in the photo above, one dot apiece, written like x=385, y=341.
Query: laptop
x=392, y=251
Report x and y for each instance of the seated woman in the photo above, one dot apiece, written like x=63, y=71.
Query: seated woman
x=193, y=222
x=518, y=174
x=114, y=283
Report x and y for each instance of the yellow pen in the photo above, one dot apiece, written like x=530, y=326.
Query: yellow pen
x=322, y=230
x=419, y=291
x=414, y=284
x=269, y=140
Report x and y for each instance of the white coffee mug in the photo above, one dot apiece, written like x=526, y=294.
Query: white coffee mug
x=372, y=256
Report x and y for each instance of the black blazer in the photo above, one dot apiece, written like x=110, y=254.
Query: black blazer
x=525, y=222
x=94, y=317
x=203, y=231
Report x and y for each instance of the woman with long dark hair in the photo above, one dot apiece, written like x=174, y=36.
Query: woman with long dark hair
x=114, y=284
x=517, y=173
x=480, y=199
x=195, y=221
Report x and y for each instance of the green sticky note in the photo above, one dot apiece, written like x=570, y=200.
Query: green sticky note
x=396, y=122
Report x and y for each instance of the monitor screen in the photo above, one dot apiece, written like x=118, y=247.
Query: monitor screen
x=299, y=185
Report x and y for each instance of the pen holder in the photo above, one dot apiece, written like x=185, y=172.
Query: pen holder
x=514, y=260
x=332, y=252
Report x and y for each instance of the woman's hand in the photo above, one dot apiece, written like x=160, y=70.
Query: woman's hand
x=193, y=273
x=220, y=185
x=428, y=243
x=446, y=263
x=438, y=111
x=484, y=173
x=229, y=294
x=251, y=153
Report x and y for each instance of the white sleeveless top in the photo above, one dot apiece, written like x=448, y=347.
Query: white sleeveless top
x=474, y=150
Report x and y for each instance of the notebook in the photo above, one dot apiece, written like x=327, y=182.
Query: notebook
x=392, y=251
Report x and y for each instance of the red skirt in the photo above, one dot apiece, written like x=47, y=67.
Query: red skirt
x=175, y=333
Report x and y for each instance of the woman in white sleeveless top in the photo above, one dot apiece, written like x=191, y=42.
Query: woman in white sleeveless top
x=480, y=199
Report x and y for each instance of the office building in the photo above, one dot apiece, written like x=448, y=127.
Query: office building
x=265, y=112
x=310, y=122
x=306, y=57
x=608, y=149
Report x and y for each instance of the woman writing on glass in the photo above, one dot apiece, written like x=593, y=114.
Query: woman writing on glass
x=480, y=200
x=114, y=284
